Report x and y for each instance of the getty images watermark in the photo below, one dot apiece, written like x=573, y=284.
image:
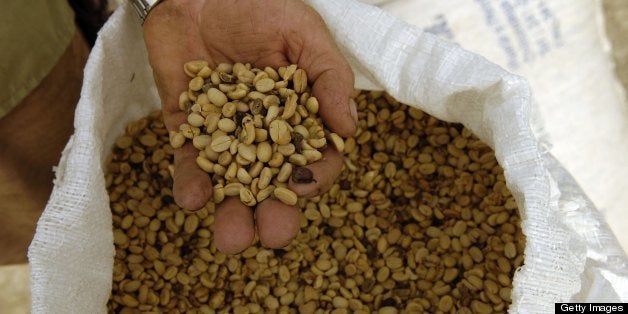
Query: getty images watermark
x=583, y=308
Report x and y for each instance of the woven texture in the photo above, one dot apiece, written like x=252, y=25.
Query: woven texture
x=72, y=253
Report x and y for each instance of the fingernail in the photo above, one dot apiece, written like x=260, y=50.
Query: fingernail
x=354, y=110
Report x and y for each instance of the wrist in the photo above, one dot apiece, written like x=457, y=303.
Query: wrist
x=174, y=8
x=144, y=7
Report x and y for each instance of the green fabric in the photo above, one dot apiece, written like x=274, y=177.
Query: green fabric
x=33, y=36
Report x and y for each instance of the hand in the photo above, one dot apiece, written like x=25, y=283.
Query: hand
x=264, y=33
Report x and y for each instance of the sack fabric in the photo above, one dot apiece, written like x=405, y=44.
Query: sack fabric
x=560, y=47
x=570, y=254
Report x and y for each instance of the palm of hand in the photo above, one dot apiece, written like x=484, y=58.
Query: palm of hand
x=263, y=33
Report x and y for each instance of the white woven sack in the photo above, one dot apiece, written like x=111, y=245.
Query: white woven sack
x=72, y=253
x=561, y=48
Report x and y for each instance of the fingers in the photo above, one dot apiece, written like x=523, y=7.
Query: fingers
x=234, y=230
x=312, y=47
x=325, y=172
x=192, y=186
x=277, y=223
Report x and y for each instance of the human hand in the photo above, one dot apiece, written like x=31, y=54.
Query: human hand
x=264, y=33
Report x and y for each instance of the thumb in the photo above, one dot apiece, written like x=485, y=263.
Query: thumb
x=314, y=50
x=333, y=89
